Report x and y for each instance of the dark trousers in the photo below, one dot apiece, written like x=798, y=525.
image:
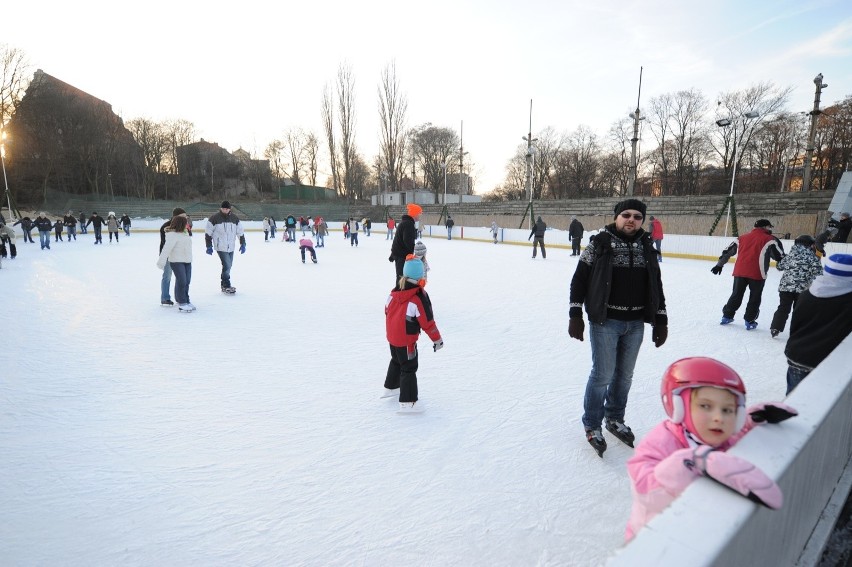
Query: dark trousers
x=788, y=299
x=12, y=249
x=575, y=246
x=97, y=234
x=28, y=237
x=353, y=239
x=309, y=249
x=402, y=373
x=755, y=291
x=539, y=241
x=400, y=263
x=183, y=275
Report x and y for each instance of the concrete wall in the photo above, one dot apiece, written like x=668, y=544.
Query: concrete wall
x=674, y=245
x=806, y=455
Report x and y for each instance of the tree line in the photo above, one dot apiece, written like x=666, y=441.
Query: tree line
x=681, y=150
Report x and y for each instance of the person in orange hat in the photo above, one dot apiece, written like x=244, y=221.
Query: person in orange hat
x=403, y=240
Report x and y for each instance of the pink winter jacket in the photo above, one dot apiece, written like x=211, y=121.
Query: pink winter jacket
x=657, y=472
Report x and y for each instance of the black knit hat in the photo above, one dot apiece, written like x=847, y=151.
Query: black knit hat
x=634, y=204
x=763, y=223
x=225, y=205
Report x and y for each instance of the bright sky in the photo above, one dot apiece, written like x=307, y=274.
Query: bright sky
x=245, y=72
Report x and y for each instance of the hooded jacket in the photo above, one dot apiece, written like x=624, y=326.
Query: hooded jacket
x=222, y=231
x=407, y=312
x=800, y=268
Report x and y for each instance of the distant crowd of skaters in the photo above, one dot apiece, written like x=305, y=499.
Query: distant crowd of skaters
x=67, y=225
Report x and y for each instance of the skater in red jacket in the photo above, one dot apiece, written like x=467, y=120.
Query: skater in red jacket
x=408, y=311
x=755, y=250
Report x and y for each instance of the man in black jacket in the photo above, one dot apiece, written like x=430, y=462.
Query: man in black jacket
x=97, y=223
x=538, y=231
x=618, y=280
x=26, y=226
x=575, y=233
x=44, y=226
x=403, y=240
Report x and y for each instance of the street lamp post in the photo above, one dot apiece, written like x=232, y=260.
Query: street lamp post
x=809, y=151
x=5, y=181
x=631, y=176
x=529, y=159
x=723, y=123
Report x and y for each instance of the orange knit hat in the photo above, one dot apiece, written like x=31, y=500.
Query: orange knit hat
x=414, y=209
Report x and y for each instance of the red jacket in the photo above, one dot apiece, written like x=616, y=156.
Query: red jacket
x=753, y=251
x=391, y=223
x=656, y=229
x=407, y=312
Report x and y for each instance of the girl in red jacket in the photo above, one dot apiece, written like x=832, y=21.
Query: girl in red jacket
x=408, y=311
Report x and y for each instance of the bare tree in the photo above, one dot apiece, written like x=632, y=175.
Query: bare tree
x=14, y=71
x=678, y=123
x=576, y=165
x=434, y=147
x=153, y=140
x=764, y=99
x=274, y=153
x=328, y=125
x=179, y=132
x=312, y=156
x=295, y=140
x=392, y=114
x=346, y=121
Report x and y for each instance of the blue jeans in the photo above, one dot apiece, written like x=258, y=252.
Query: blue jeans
x=320, y=240
x=166, y=282
x=44, y=238
x=72, y=232
x=183, y=275
x=615, y=346
x=794, y=376
x=449, y=233
x=227, y=259
x=83, y=227
x=127, y=231
x=291, y=234
x=390, y=234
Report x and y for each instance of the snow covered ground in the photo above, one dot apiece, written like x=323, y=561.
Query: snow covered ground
x=251, y=431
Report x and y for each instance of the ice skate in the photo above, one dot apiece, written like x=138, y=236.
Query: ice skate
x=388, y=393
x=621, y=431
x=596, y=440
x=229, y=290
x=410, y=407
x=726, y=321
x=750, y=325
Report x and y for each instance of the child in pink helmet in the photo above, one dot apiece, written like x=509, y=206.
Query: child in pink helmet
x=705, y=402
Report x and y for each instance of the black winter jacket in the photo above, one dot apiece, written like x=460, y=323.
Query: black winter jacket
x=403, y=240
x=635, y=261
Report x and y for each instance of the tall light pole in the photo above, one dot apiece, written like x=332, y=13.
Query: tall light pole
x=809, y=151
x=631, y=177
x=5, y=181
x=723, y=123
x=529, y=159
x=462, y=153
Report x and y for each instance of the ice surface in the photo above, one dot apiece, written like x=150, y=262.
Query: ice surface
x=250, y=432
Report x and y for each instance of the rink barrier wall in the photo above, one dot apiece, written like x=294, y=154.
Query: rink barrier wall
x=808, y=456
x=695, y=247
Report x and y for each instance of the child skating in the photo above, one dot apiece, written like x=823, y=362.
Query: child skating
x=705, y=402
x=307, y=244
x=407, y=312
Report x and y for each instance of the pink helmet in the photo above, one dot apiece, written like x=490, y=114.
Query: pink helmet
x=697, y=372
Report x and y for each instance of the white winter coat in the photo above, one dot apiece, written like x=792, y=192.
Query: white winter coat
x=223, y=232
x=178, y=248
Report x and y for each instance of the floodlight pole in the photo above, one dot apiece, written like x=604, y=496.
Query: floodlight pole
x=5, y=180
x=809, y=151
x=631, y=179
x=530, y=153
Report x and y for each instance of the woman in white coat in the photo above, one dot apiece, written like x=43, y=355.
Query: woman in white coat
x=177, y=251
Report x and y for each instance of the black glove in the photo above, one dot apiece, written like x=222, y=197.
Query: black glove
x=659, y=334
x=210, y=250
x=390, y=258
x=775, y=412
x=575, y=328
x=716, y=270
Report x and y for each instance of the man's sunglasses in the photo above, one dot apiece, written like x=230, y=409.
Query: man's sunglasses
x=635, y=217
